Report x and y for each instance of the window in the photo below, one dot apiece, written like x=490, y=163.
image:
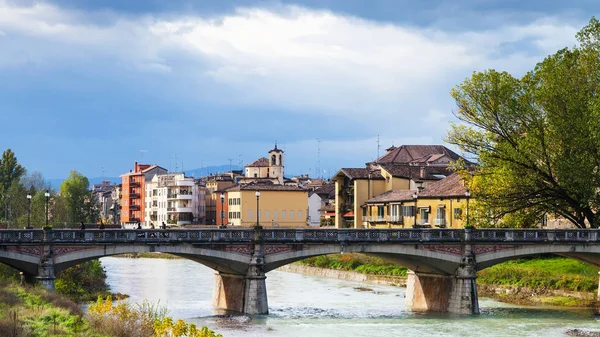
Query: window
x=408, y=210
x=457, y=213
x=291, y=214
x=249, y=214
x=365, y=210
x=255, y=175
x=424, y=214
x=258, y=214
x=380, y=211
x=275, y=214
x=266, y=215
x=283, y=214
x=300, y=215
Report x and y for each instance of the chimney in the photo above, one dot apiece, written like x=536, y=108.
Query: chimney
x=422, y=172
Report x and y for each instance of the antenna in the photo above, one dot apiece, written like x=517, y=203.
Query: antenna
x=378, y=146
x=230, y=160
x=318, y=158
x=142, y=154
x=240, y=162
x=175, y=154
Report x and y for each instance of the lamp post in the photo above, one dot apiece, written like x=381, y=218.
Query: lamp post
x=415, y=211
x=47, y=195
x=28, y=210
x=222, y=209
x=257, y=209
x=467, y=195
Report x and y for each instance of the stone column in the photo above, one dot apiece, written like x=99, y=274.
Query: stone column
x=46, y=269
x=463, y=297
x=255, y=294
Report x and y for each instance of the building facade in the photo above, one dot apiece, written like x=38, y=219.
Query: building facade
x=173, y=199
x=133, y=192
x=275, y=206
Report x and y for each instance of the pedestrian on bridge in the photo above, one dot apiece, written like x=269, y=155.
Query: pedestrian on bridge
x=82, y=226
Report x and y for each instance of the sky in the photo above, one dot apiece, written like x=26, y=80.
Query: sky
x=95, y=85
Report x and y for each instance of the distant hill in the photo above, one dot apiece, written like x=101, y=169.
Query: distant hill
x=198, y=172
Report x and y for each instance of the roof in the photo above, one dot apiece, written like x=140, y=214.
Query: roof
x=264, y=187
x=150, y=168
x=260, y=162
x=406, y=154
x=416, y=172
x=393, y=195
x=328, y=208
x=451, y=186
x=327, y=190
x=360, y=173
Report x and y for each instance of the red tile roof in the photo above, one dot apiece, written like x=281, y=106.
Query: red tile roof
x=260, y=162
x=360, y=173
x=264, y=186
x=449, y=187
x=416, y=153
x=416, y=172
x=393, y=195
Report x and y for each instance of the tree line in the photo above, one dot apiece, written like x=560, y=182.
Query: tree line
x=72, y=203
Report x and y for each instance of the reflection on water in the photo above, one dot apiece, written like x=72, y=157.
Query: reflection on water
x=302, y=305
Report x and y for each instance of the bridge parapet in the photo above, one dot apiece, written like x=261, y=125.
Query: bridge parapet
x=535, y=235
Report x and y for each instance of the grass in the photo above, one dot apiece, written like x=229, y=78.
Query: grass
x=543, y=273
x=356, y=262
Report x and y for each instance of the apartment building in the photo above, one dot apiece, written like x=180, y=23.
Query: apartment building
x=173, y=199
x=133, y=192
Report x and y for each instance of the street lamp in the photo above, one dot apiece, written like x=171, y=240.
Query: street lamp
x=47, y=195
x=28, y=210
x=222, y=209
x=415, y=211
x=257, y=209
x=468, y=195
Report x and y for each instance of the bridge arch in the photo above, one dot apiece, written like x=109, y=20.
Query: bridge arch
x=221, y=261
x=585, y=253
x=411, y=257
x=23, y=262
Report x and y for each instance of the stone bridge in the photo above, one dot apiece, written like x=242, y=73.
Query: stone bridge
x=442, y=262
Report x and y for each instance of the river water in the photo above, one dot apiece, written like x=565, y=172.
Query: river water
x=302, y=305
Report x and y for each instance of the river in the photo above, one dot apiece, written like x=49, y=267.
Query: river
x=302, y=305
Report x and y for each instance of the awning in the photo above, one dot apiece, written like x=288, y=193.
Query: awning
x=349, y=214
x=329, y=214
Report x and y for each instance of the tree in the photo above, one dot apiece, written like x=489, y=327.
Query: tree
x=78, y=198
x=10, y=172
x=537, y=138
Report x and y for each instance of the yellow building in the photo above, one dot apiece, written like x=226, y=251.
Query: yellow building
x=404, y=168
x=276, y=205
x=442, y=204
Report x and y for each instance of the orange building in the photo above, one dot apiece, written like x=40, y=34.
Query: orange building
x=133, y=191
x=221, y=206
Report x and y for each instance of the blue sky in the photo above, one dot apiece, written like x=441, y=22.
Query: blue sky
x=86, y=85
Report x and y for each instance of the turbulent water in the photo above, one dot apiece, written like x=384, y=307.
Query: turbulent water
x=302, y=305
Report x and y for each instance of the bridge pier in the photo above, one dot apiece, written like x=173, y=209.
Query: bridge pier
x=455, y=294
x=243, y=293
x=45, y=274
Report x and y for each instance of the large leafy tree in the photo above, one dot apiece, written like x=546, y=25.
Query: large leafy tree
x=537, y=138
x=78, y=198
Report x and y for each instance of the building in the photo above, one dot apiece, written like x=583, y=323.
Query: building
x=103, y=194
x=215, y=184
x=318, y=200
x=173, y=199
x=265, y=169
x=404, y=168
x=133, y=192
x=442, y=204
x=276, y=205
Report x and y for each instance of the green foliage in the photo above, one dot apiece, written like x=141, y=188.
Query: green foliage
x=81, y=282
x=546, y=273
x=356, y=262
x=79, y=200
x=10, y=173
x=537, y=138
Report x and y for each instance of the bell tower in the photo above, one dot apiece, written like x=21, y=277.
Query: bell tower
x=276, y=164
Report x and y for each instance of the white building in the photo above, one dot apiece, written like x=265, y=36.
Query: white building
x=173, y=199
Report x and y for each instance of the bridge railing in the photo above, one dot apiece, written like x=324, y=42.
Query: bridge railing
x=534, y=235
x=361, y=235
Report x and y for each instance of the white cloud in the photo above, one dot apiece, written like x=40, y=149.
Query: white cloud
x=297, y=60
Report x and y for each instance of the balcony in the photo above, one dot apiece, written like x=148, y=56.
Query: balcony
x=179, y=209
x=134, y=219
x=134, y=195
x=134, y=207
x=396, y=219
x=440, y=223
x=376, y=218
x=134, y=184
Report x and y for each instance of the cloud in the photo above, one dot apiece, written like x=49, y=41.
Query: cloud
x=361, y=76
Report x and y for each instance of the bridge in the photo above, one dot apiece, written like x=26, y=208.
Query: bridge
x=442, y=262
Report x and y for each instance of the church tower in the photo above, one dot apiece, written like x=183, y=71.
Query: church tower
x=276, y=164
